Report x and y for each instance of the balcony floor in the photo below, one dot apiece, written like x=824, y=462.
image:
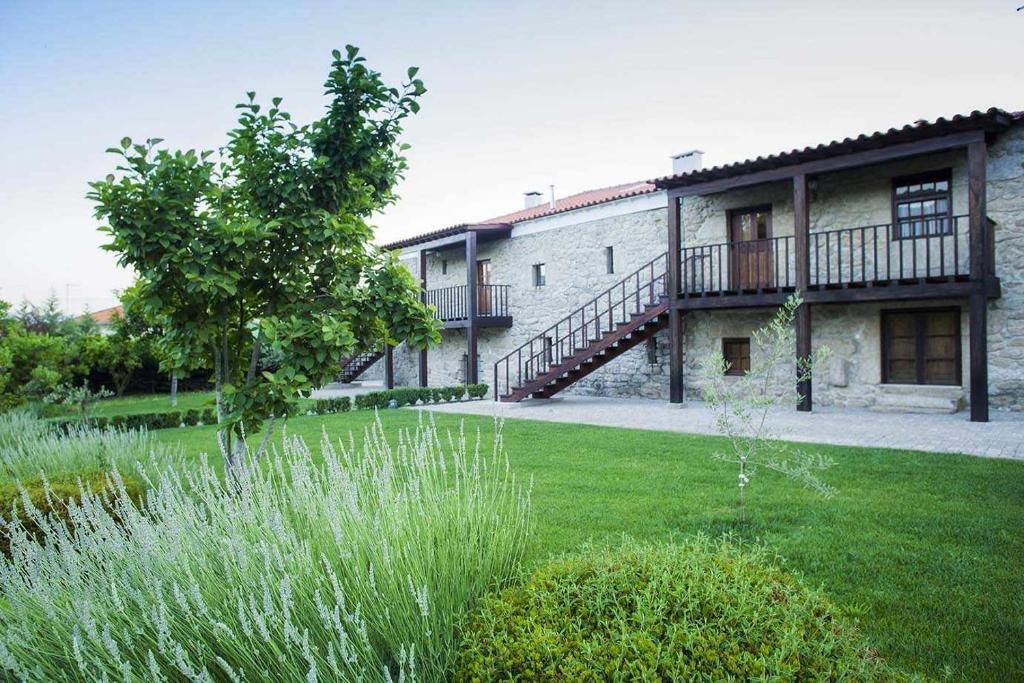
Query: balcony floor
x=854, y=292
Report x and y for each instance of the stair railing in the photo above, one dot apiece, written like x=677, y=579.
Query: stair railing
x=584, y=326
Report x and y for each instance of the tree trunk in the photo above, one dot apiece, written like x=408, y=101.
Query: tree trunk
x=174, y=388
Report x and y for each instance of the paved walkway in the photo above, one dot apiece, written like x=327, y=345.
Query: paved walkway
x=1003, y=437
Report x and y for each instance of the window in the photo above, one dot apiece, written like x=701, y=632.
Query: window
x=922, y=205
x=444, y=267
x=609, y=259
x=921, y=347
x=736, y=351
x=549, y=350
x=539, y=275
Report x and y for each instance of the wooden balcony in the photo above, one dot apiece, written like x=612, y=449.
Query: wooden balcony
x=867, y=263
x=450, y=306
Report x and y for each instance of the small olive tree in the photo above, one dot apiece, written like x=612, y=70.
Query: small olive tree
x=265, y=247
x=742, y=405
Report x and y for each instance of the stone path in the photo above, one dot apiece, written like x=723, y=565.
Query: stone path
x=1003, y=437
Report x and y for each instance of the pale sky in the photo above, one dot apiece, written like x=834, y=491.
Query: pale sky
x=521, y=95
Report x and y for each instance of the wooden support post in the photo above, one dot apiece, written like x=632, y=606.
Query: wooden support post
x=801, y=230
x=977, y=302
x=675, y=327
x=389, y=367
x=471, y=302
x=423, y=297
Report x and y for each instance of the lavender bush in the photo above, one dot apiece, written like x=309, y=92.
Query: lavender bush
x=353, y=564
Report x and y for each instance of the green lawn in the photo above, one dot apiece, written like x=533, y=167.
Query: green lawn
x=925, y=550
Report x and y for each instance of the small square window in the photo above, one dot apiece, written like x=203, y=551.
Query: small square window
x=539, y=275
x=736, y=351
x=444, y=267
x=609, y=259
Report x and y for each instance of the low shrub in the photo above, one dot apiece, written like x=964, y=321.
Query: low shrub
x=329, y=406
x=348, y=565
x=701, y=610
x=373, y=399
x=410, y=396
x=50, y=502
x=163, y=420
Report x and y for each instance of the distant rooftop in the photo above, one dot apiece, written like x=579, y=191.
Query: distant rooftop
x=990, y=119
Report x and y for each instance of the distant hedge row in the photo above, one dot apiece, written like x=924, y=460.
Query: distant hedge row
x=405, y=396
x=173, y=418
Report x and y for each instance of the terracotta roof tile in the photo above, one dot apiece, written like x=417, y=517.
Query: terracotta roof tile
x=106, y=315
x=576, y=201
x=990, y=118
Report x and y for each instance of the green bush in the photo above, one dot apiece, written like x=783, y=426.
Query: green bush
x=51, y=501
x=702, y=610
x=373, y=399
x=410, y=396
x=164, y=420
x=329, y=406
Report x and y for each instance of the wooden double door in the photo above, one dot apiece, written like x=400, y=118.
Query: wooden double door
x=751, y=257
x=921, y=347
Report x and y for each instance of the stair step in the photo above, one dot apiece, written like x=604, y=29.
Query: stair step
x=919, y=399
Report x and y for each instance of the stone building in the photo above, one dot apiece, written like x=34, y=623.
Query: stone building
x=906, y=245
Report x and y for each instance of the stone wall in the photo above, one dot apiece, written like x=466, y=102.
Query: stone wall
x=574, y=256
x=576, y=266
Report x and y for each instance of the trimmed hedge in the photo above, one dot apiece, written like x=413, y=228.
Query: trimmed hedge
x=703, y=610
x=52, y=499
x=149, y=421
x=329, y=406
x=404, y=396
x=410, y=396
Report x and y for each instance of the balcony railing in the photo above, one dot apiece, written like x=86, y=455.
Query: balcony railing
x=872, y=254
x=450, y=302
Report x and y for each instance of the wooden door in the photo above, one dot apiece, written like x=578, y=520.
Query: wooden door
x=483, y=279
x=750, y=251
x=921, y=347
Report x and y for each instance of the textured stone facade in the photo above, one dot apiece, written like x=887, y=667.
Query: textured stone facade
x=575, y=259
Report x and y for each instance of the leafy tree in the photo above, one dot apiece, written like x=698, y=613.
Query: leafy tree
x=44, y=318
x=268, y=248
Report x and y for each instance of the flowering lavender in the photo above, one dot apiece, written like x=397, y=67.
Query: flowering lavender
x=352, y=564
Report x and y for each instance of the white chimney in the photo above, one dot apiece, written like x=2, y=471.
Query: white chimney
x=552, y=196
x=533, y=198
x=687, y=162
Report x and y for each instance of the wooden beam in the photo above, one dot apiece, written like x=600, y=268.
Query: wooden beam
x=389, y=367
x=847, y=295
x=801, y=230
x=977, y=158
x=471, y=301
x=836, y=163
x=675, y=323
x=423, y=297
x=977, y=303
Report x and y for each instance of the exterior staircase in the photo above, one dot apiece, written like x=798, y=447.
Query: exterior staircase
x=613, y=322
x=353, y=366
